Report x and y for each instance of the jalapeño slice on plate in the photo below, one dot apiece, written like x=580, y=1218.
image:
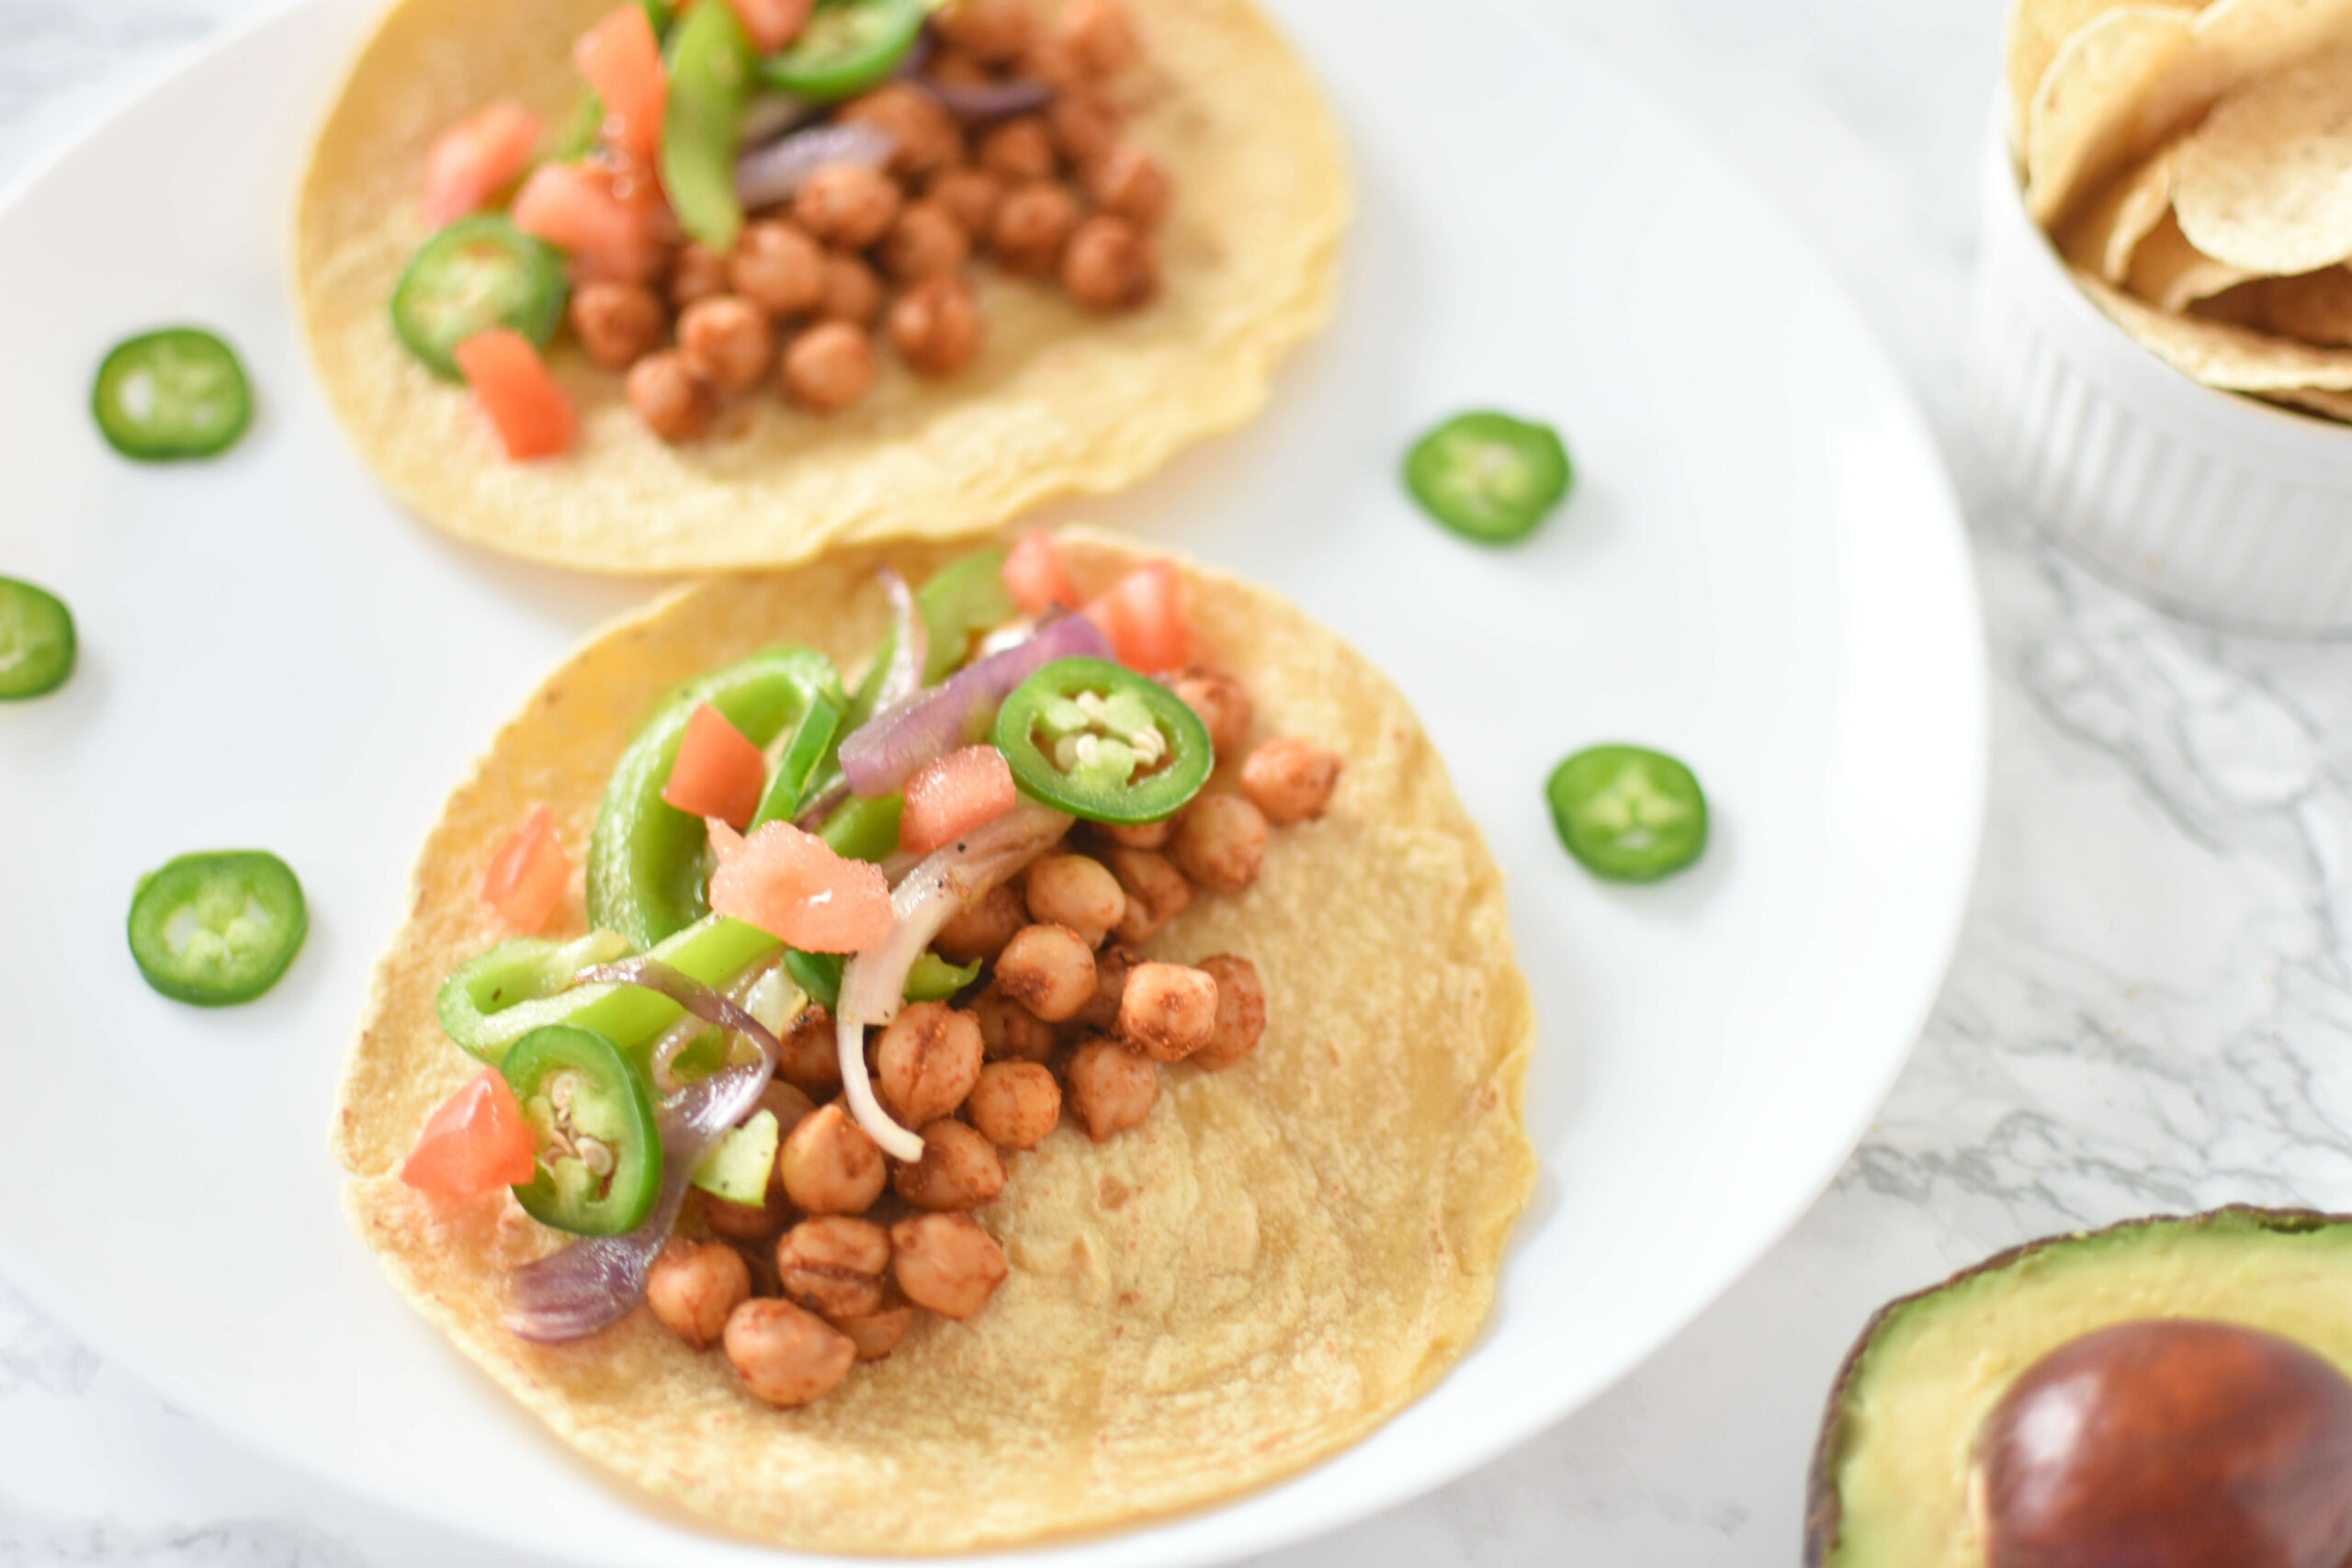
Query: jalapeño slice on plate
x=1628, y=813
x=217, y=928
x=1097, y=740
x=599, y=1152
x=36, y=640
x=178, y=392
x=1489, y=477
x=478, y=272
x=847, y=47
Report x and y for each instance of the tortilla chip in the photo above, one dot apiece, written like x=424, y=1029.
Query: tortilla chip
x=2102, y=237
x=2315, y=307
x=2171, y=273
x=2316, y=400
x=1058, y=401
x=2266, y=183
x=2088, y=114
x=1283, y=1256
x=2219, y=355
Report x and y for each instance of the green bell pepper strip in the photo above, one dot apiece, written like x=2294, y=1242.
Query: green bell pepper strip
x=477, y=1001
x=36, y=642
x=217, y=929
x=740, y=1167
x=1087, y=736
x=599, y=1148
x=931, y=979
x=648, y=862
x=702, y=127
x=162, y=396
x=864, y=830
x=478, y=273
x=805, y=748
x=846, y=47
x=1627, y=813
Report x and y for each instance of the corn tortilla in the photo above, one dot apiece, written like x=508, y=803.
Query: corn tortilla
x=1283, y=1256
x=1058, y=401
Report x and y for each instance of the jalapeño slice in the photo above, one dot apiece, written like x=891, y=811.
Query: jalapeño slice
x=599, y=1150
x=36, y=640
x=478, y=272
x=178, y=392
x=218, y=928
x=847, y=47
x=1489, y=477
x=1628, y=813
x=1097, y=740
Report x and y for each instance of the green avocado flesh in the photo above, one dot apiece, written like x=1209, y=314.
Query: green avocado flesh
x=1890, y=1480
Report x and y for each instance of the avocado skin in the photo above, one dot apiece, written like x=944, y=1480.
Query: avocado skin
x=1823, y=1507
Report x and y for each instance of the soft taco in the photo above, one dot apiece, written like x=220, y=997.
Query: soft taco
x=1093, y=1143
x=633, y=287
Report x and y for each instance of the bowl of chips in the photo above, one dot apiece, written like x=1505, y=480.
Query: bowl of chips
x=2161, y=365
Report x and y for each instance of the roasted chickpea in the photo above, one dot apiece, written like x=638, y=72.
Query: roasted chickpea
x=853, y=293
x=1140, y=835
x=924, y=133
x=1015, y=1105
x=778, y=268
x=1127, y=182
x=1220, y=842
x=1157, y=893
x=1099, y=36
x=829, y=366
x=993, y=31
x=1018, y=151
x=1240, y=1013
x=927, y=1061
x=1047, y=969
x=618, y=323
x=1224, y=708
x=1077, y=892
x=1111, y=1088
x=811, y=1061
x=1112, y=965
x=830, y=1166
x=846, y=206
x=970, y=195
x=1109, y=265
x=946, y=1263
x=789, y=1104
x=746, y=1221
x=699, y=273
x=1167, y=1012
x=935, y=326
x=925, y=241
x=834, y=1265
x=694, y=1285
x=1032, y=226
x=728, y=339
x=876, y=1333
x=1009, y=1030
x=978, y=933
x=675, y=400
x=957, y=68
x=958, y=1170
x=1289, y=781
x=784, y=1355
x=1085, y=125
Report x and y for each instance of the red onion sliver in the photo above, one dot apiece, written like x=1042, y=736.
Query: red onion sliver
x=987, y=100
x=775, y=173
x=772, y=113
x=918, y=56
x=885, y=751
x=909, y=644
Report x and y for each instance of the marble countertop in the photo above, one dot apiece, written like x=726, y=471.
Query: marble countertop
x=2150, y=1008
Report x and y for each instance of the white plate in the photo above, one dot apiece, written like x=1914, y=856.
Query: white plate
x=1762, y=571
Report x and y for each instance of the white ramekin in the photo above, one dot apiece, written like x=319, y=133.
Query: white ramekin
x=2217, y=506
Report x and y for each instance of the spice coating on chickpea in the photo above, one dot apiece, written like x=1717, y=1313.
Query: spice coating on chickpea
x=1047, y=969
x=978, y=933
x=745, y=1222
x=926, y=242
x=1240, y=1013
x=1127, y=182
x=853, y=293
x=728, y=339
x=946, y=1263
x=924, y=134
x=694, y=1285
x=1220, y=843
x=1008, y=1029
x=1167, y=1012
x=1223, y=708
x=960, y=1169
x=830, y=1166
x=1015, y=1104
x=1112, y=1089
x=1139, y=835
x=787, y=1104
x=698, y=272
x=833, y=1265
x=676, y=401
x=1112, y=965
x=1157, y=893
x=778, y=268
x=992, y=31
x=618, y=323
x=784, y=1355
x=1019, y=152
x=846, y=206
x=1109, y=265
x=876, y=1333
x=927, y=1061
x=1032, y=225
x=935, y=326
x=811, y=1061
x=829, y=366
x=1077, y=892
x=1099, y=35
x=1084, y=123
x=970, y=195
x=1290, y=781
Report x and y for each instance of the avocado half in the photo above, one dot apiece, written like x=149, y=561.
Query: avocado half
x=1889, y=1484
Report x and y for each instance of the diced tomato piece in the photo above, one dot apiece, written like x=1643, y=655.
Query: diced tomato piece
x=475, y=158
x=476, y=1143
x=792, y=886
x=1143, y=615
x=772, y=24
x=581, y=209
x=954, y=795
x=528, y=873
x=717, y=773
x=510, y=381
x=726, y=843
x=622, y=61
x=1033, y=576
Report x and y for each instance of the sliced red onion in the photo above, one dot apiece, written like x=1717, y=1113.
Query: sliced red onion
x=597, y=1281
x=885, y=751
x=775, y=173
x=874, y=982
x=772, y=113
x=909, y=643
x=987, y=100
x=918, y=56
x=812, y=815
